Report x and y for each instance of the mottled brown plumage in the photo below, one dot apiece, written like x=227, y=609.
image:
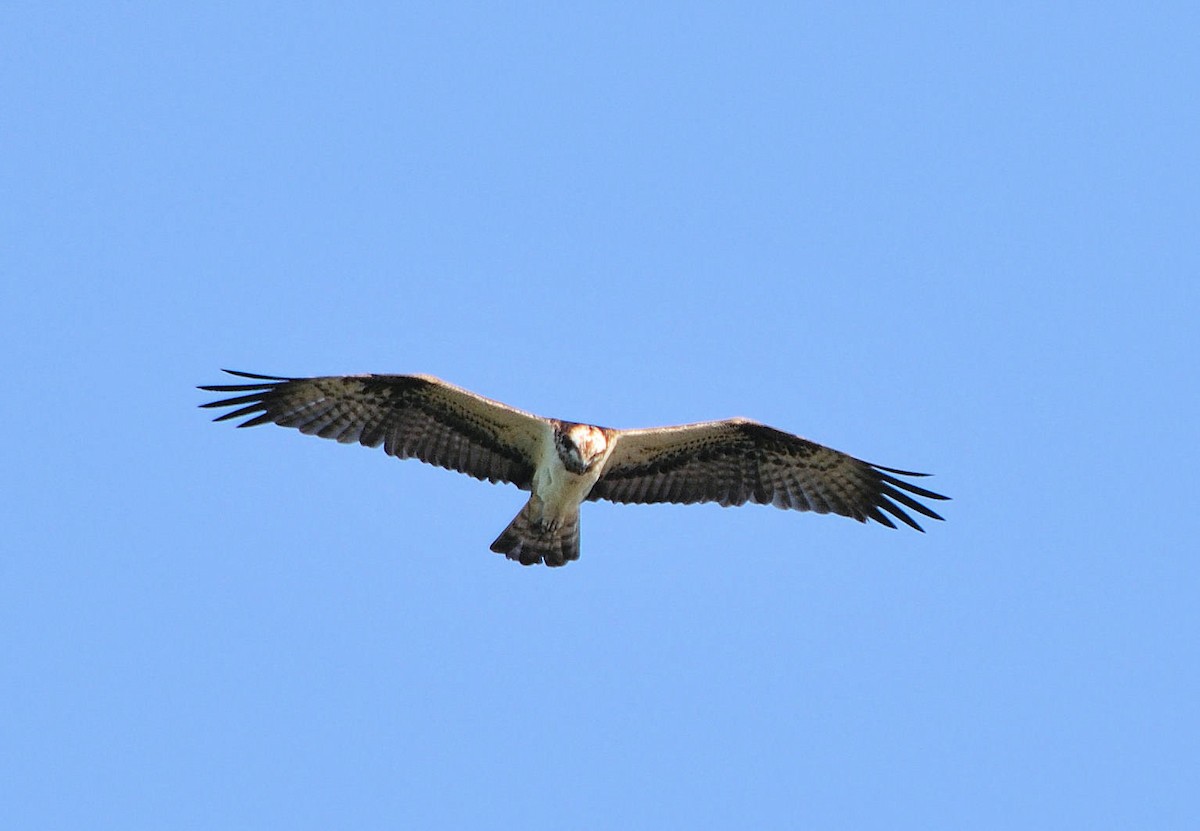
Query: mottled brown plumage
x=729, y=462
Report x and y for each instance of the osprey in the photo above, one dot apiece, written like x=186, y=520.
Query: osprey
x=564, y=463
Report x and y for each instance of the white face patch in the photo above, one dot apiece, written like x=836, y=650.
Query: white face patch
x=589, y=440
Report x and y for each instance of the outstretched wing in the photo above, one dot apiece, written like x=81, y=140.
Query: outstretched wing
x=412, y=416
x=738, y=461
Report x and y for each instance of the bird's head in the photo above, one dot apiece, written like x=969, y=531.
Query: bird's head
x=579, y=446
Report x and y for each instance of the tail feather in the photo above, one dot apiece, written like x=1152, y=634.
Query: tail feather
x=529, y=540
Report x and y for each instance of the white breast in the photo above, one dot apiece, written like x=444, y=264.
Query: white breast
x=560, y=490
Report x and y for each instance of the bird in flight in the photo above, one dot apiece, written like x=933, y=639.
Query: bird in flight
x=564, y=463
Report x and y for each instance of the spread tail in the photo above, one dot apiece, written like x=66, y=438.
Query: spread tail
x=531, y=540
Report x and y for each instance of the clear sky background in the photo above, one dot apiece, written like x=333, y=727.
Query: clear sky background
x=961, y=240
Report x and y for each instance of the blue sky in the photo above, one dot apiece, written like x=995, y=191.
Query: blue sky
x=939, y=237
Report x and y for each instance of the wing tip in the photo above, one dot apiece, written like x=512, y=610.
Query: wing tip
x=254, y=398
x=254, y=376
x=883, y=474
x=890, y=490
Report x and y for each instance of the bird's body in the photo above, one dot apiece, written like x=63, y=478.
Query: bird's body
x=571, y=462
x=564, y=463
